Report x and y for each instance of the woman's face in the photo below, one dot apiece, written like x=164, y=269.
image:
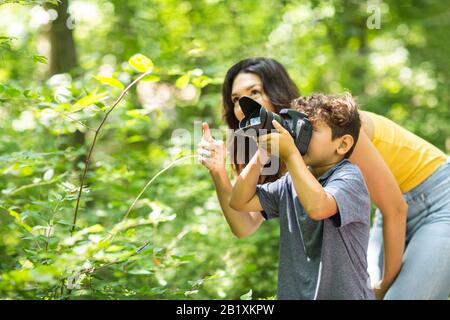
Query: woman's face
x=249, y=84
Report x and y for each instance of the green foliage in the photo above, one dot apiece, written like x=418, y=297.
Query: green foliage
x=175, y=243
x=29, y=2
x=140, y=63
x=110, y=81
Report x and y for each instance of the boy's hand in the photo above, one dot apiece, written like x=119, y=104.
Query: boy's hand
x=263, y=156
x=279, y=144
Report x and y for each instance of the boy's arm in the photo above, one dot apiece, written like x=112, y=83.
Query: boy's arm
x=243, y=196
x=317, y=203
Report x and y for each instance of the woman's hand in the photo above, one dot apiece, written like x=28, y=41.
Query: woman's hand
x=379, y=294
x=380, y=290
x=212, y=153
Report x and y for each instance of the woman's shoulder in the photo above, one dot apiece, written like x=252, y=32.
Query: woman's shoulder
x=367, y=123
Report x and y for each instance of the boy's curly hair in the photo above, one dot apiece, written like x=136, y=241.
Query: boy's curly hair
x=339, y=112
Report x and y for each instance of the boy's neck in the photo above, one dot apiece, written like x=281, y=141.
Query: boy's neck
x=317, y=171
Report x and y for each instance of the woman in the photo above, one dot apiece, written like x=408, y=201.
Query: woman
x=408, y=179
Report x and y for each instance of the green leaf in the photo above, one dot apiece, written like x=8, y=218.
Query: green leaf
x=65, y=223
x=12, y=92
x=28, y=155
x=19, y=220
x=40, y=59
x=140, y=63
x=140, y=272
x=48, y=174
x=183, y=81
x=201, y=81
x=186, y=257
x=90, y=99
x=136, y=138
x=110, y=81
x=94, y=229
x=247, y=296
x=151, y=78
x=191, y=292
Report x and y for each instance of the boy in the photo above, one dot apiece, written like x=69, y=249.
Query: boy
x=324, y=209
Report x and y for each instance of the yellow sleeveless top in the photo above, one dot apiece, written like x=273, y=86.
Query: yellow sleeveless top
x=410, y=158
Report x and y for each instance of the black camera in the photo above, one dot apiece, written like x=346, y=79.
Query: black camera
x=258, y=118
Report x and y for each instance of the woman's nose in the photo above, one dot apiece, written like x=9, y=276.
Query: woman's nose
x=238, y=113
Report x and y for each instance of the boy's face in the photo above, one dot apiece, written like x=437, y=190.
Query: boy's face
x=322, y=150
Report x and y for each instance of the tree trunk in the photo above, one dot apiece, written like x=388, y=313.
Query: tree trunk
x=63, y=56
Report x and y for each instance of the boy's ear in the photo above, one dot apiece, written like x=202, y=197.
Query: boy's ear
x=346, y=142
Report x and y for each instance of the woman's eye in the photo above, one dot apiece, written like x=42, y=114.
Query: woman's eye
x=254, y=92
x=235, y=99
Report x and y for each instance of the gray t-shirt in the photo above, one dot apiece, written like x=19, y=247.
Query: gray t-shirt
x=322, y=259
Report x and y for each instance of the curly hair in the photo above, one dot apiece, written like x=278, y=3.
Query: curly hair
x=339, y=112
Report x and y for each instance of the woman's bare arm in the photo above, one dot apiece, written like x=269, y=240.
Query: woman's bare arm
x=242, y=224
x=387, y=196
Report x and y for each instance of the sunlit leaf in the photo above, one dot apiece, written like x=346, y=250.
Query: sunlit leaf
x=191, y=292
x=48, y=175
x=183, y=81
x=89, y=100
x=19, y=220
x=140, y=272
x=136, y=138
x=110, y=81
x=247, y=296
x=197, y=72
x=95, y=228
x=140, y=63
x=12, y=92
x=151, y=78
x=40, y=59
x=201, y=81
x=27, y=155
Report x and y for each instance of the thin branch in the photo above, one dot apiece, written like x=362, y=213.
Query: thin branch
x=174, y=242
x=151, y=181
x=122, y=95
x=112, y=235
x=184, y=232
x=76, y=120
x=58, y=112
x=32, y=185
x=139, y=250
x=94, y=269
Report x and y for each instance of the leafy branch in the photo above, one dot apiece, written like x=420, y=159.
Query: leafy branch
x=140, y=63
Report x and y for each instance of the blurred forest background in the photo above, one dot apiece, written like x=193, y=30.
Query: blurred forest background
x=64, y=63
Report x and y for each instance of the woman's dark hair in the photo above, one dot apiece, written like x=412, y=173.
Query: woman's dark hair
x=277, y=85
